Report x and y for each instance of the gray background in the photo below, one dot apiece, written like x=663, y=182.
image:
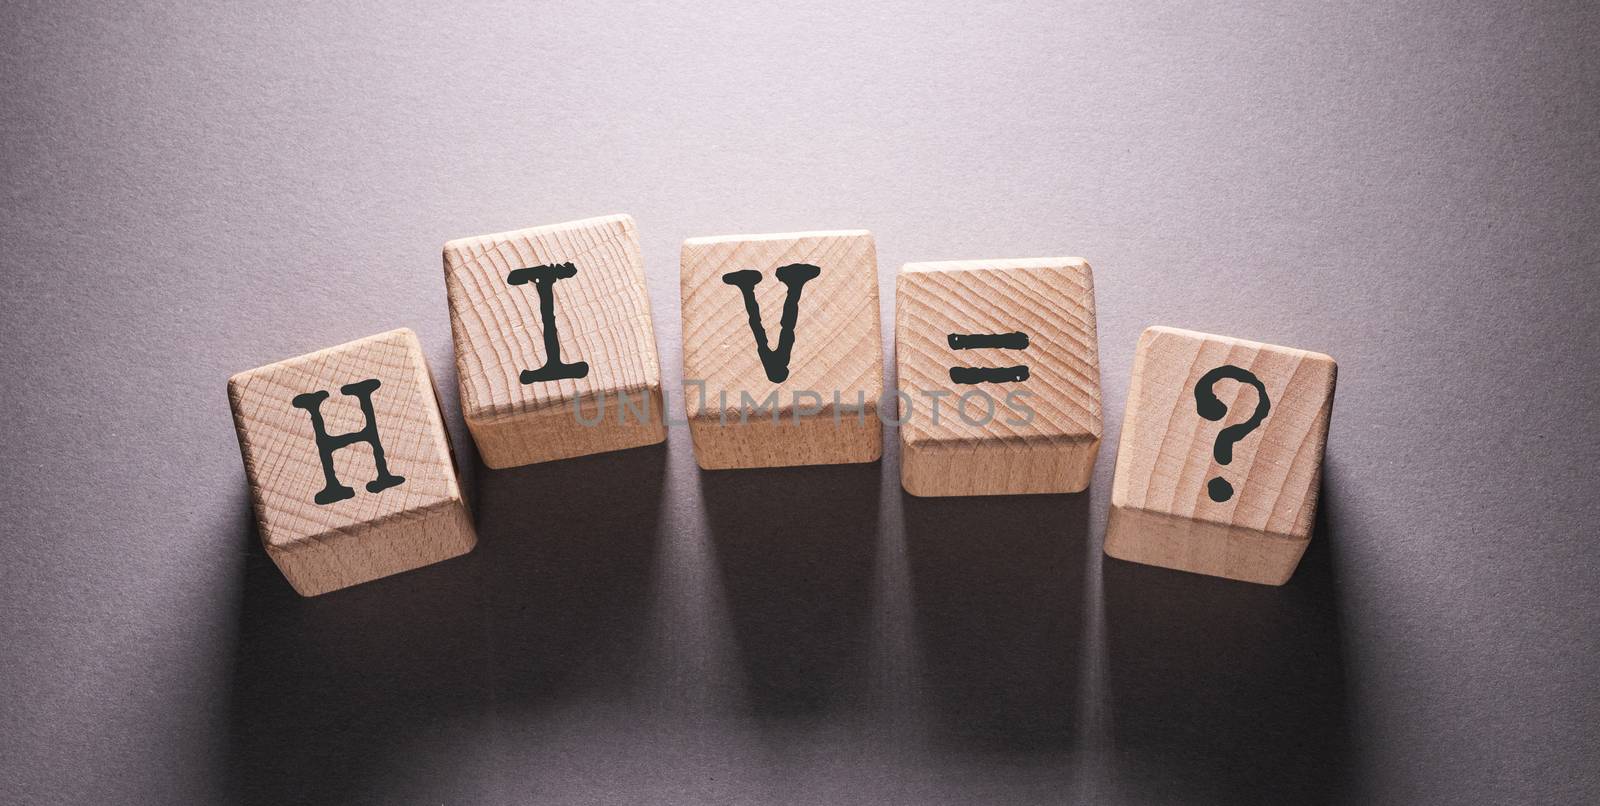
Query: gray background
x=1410, y=187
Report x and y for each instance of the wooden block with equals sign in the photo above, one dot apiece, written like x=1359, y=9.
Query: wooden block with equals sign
x=999, y=376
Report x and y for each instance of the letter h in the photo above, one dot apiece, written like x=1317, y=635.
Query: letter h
x=327, y=444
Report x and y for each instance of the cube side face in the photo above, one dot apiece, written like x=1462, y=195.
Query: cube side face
x=854, y=436
x=1168, y=541
x=277, y=409
x=414, y=539
x=628, y=418
x=1167, y=459
x=834, y=347
x=1015, y=469
x=592, y=272
x=1019, y=419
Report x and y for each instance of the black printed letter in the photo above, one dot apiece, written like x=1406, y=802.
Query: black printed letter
x=794, y=277
x=543, y=278
x=326, y=444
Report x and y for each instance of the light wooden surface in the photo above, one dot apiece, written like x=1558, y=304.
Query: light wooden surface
x=836, y=352
x=1040, y=434
x=1162, y=512
x=602, y=318
x=324, y=547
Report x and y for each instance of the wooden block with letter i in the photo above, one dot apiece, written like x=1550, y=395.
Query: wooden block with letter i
x=782, y=352
x=349, y=465
x=555, y=350
x=1220, y=460
x=999, y=375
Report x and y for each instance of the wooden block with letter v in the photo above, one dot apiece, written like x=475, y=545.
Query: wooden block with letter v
x=999, y=376
x=1221, y=455
x=782, y=349
x=555, y=350
x=349, y=465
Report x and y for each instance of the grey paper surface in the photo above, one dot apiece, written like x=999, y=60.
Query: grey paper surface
x=1410, y=187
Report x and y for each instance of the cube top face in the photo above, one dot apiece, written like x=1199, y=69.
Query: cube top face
x=992, y=327
x=1168, y=461
x=273, y=412
x=836, y=340
x=592, y=273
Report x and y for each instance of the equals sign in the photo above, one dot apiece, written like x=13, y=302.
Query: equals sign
x=1001, y=341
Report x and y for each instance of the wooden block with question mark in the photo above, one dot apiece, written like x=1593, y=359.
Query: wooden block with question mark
x=1220, y=459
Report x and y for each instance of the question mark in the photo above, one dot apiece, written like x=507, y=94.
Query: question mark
x=1213, y=409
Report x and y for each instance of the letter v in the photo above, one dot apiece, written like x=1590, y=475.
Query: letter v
x=794, y=277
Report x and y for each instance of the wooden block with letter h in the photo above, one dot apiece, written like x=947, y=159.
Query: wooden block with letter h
x=999, y=376
x=781, y=340
x=1220, y=460
x=555, y=350
x=349, y=465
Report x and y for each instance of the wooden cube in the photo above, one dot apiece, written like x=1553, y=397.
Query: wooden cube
x=555, y=350
x=1221, y=455
x=349, y=465
x=782, y=352
x=999, y=374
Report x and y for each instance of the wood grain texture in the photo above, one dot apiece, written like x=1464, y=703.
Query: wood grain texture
x=324, y=547
x=1044, y=436
x=837, y=351
x=1161, y=513
x=602, y=317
